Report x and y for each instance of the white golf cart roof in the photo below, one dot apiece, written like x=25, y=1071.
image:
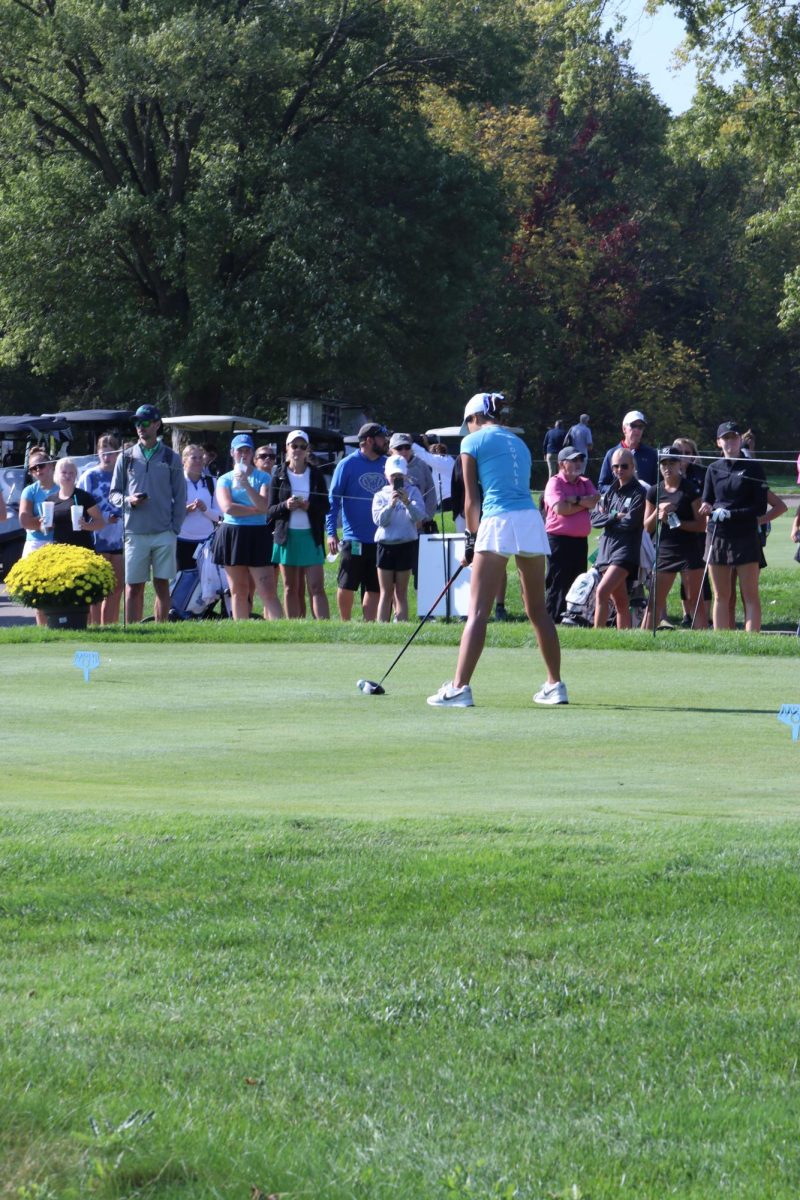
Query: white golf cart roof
x=455, y=431
x=216, y=423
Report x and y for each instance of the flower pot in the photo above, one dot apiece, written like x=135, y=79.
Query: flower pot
x=74, y=617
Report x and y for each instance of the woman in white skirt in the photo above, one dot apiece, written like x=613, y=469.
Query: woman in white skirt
x=497, y=464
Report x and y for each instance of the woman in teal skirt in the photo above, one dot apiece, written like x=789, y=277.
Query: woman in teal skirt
x=298, y=502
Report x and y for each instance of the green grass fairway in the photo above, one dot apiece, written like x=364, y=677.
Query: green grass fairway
x=283, y=729
x=263, y=935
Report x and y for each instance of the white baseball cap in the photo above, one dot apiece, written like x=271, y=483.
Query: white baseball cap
x=634, y=415
x=296, y=433
x=481, y=402
x=395, y=465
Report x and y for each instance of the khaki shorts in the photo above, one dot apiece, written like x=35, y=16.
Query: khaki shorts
x=146, y=550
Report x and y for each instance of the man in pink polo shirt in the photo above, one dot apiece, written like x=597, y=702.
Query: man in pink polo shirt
x=568, y=498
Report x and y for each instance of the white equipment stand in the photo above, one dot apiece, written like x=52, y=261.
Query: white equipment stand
x=431, y=578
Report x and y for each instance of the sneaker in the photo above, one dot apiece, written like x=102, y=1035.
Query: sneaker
x=552, y=693
x=451, y=697
x=686, y=621
x=500, y=613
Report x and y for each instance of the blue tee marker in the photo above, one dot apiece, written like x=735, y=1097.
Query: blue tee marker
x=789, y=714
x=87, y=661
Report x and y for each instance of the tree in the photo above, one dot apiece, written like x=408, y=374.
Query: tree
x=217, y=198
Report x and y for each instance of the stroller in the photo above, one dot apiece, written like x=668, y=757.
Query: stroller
x=194, y=593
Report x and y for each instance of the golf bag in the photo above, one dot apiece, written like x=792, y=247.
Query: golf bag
x=580, y=599
x=194, y=593
x=581, y=596
x=184, y=592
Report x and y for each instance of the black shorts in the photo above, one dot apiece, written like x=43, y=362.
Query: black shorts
x=735, y=550
x=184, y=551
x=240, y=545
x=630, y=568
x=397, y=556
x=358, y=572
x=674, y=562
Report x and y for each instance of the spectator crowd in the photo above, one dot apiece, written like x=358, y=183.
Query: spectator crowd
x=663, y=515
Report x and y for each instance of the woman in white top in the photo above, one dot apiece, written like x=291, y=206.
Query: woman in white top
x=298, y=505
x=202, y=511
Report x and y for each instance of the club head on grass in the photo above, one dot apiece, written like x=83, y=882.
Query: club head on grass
x=369, y=688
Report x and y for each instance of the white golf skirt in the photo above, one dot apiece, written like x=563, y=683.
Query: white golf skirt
x=521, y=532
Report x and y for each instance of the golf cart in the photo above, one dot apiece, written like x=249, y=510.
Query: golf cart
x=324, y=443
x=66, y=433
x=22, y=432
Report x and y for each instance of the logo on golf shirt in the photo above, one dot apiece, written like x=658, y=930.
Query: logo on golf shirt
x=789, y=714
x=372, y=483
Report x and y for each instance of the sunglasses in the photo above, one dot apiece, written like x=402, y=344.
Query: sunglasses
x=143, y=424
x=620, y=466
x=298, y=445
x=265, y=456
x=39, y=466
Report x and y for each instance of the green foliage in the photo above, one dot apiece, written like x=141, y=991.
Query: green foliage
x=666, y=382
x=182, y=192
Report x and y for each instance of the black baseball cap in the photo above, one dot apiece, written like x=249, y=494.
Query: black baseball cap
x=146, y=412
x=727, y=427
x=372, y=429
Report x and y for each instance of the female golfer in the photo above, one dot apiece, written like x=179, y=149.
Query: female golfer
x=498, y=464
x=734, y=497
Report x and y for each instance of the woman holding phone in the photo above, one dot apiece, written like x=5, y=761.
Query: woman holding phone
x=298, y=505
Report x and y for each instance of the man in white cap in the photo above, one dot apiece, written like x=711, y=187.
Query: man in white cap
x=645, y=457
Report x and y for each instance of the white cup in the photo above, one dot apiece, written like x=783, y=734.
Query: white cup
x=48, y=508
x=76, y=512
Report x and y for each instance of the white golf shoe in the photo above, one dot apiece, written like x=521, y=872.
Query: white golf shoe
x=552, y=693
x=452, y=697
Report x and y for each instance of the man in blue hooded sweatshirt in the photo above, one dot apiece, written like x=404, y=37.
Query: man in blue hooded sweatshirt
x=355, y=481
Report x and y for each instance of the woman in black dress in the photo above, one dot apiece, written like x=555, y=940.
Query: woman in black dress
x=620, y=515
x=734, y=497
x=675, y=505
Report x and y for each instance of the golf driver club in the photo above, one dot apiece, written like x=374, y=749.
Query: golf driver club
x=377, y=689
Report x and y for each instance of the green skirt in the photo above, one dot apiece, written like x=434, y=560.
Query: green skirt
x=300, y=550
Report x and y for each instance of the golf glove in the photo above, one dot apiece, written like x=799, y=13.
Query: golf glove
x=469, y=547
x=721, y=514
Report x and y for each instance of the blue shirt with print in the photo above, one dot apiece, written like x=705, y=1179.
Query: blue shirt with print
x=504, y=469
x=356, y=480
